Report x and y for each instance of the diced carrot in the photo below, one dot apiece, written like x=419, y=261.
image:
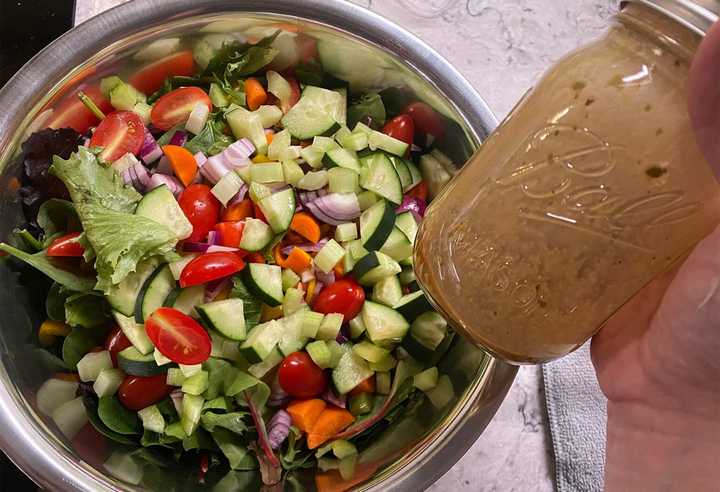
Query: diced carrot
x=255, y=258
x=305, y=413
x=332, y=481
x=298, y=260
x=255, y=94
x=67, y=376
x=339, y=270
x=182, y=161
x=269, y=134
x=331, y=421
x=367, y=386
x=280, y=260
x=238, y=211
x=306, y=226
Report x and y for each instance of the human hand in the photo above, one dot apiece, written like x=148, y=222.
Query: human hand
x=658, y=359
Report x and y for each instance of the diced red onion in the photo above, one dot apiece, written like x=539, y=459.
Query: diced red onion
x=177, y=397
x=200, y=159
x=279, y=428
x=330, y=397
x=323, y=217
x=215, y=168
x=278, y=396
x=85, y=142
x=339, y=206
x=221, y=249
x=243, y=148
x=307, y=276
x=412, y=204
x=195, y=247
x=342, y=336
x=164, y=166
x=307, y=247
x=214, y=288
x=325, y=278
x=239, y=196
x=126, y=176
x=321, y=192
x=150, y=150
x=142, y=174
x=213, y=237
x=171, y=182
x=306, y=197
x=179, y=138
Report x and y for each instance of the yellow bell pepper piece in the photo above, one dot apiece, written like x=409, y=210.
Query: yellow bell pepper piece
x=50, y=330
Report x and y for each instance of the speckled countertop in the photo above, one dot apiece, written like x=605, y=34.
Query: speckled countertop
x=501, y=47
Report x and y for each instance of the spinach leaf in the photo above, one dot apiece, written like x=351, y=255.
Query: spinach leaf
x=368, y=106
x=293, y=457
x=90, y=401
x=234, y=450
x=87, y=309
x=217, y=369
x=73, y=281
x=236, y=59
x=199, y=440
x=118, y=418
x=154, y=456
x=56, y=215
x=252, y=306
x=55, y=302
x=78, y=343
x=239, y=480
x=247, y=388
x=150, y=438
x=395, y=100
x=174, y=82
x=312, y=73
x=233, y=421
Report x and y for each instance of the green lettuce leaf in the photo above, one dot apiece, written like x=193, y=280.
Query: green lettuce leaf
x=232, y=421
x=237, y=59
x=234, y=450
x=211, y=140
x=56, y=215
x=122, y=240
x=78, y=343
x=89, y=182
x=71, y=280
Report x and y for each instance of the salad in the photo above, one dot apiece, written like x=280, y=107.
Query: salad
x=227, y=240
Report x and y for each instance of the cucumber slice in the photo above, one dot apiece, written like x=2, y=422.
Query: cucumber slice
x=134, y=332
x=426, y=380
x=175, y=377
x=346, y=232
x=70, y=417
x=290, y=279
x=136, y=364
x=188, y=298
x=316, y=113
x=196, y=384
x=258, y=191
x=357, y=327
x=108, y=382
x=378, y=140
x=245, y=124
x=265, y=282
x=279, y=209
x=442, y=393
x=266, y=172
x=330, y=327
x=92, y=364
x=374, y=267
x=261, y=341
x=376, y=224
x=367, y=199
x=385, y=364
x=383, y=383
x=190, y=414
x=160, y=205
x=403, y=172
x=124, y=467
x=292, y=172
x=256, y=235
x=152, y=419
x=341, y=158
x=226, y=316
x=387, y=291
x=55, y=392
x=351, y=370
x=319, y=353
x=434, y=174
x=154, y=293
x=413, y=305
x=292, y=338
x=293, y=301
x=311, y=323
x=415, y=174
x=329, y=256
x=397, y=246
x=383, y=323
x=341, y=180
x=380, y=177
x=370, y=352
x=266, y=365
x=122, y=296
x=408, y=225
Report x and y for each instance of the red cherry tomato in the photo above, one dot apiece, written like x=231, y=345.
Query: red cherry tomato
x=90, y=445
x=178, y=337
x=344, y=296
x=201, y=208
x=115, y=342
x=402, y=128
x=426, y=119
x=306, y=47
x=210, y=266
x=300, y=377
x=257, y=211
x=151, y=77
x=72, y=113
x=136, y=392
x=175, y=106
x=230, y=233
x=66, y=245
x=119, y=133
x=419, y=191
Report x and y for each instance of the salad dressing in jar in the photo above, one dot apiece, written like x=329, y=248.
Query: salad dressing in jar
x=590, y=188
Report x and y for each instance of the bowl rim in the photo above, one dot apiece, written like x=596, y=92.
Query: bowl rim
x=26, y=444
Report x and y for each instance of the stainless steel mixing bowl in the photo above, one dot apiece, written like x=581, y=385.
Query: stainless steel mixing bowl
x=366, y=50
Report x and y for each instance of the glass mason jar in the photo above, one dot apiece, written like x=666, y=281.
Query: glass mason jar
x=590, y=188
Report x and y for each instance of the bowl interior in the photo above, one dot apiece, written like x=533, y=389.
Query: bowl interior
x=408, y=441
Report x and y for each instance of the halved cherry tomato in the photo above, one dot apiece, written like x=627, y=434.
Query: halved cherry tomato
x=119, y=133
x=175, y=106
x=67, y=245
x=294, y=94
x=425, y=118
x=420, y=190
x=210, y=266
x=137, y=392
x=201, y=208
x=115, y=342
x=401, y=127
x=177, y=336
x=300, y=377
x=151, y=77
x=72, y=113
x=344, y=296
x=230, y=233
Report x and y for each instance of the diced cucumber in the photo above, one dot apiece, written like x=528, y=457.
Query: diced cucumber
x=407, y=276
x=176, y=267
x=316, y=113
x=343, y=158
x=330, y=327
x=426, y=380
x=108, y=382
x=292, y=172
x=370, y=352
x=160, y=205
x=196, y=384
x=351, y=370
x=70, y=417
x=385, y=364
x=260, y=369
x=228, y=186
x=53, y=393
x=123, y=97
x=387, y=291
x=313, y=156
x=92, y=364
x=346, y=232
x=245, y=124
x=314, y=180
x=319, y=353
x=376, y=224
x=341, y=180
x=403, y=172
x=279, y=209
x=154, y=293
x=374, y=267
x=261, y=341
x=324, y=144
x=353, y=141
x=381, y=141
x=414, y=173
x=290, y=279
x=152, y=419
x=265, y=282
x=189, y=370
x=176, y=429
x=191, y=410
x=383, y=383
x=175, y=377
x=258, y=191
x=347, y=467
x=224, y=348
x=279, y=86
x=336, y=351
x=408, y=225
x=356, y=249
x=383, y=323
x=217, y=96
x=134, y=332
x=144, y=111
x=269, y=114
x=123, y=466
x=442, y=393
x=266, y=172
x=226, y=316
x=342, y=448
x=429, y=329
x=357, y=327
x=397, y=246
x=292, y=338
x=367, y=199
x=256, y=235
x=413, y=305
x=293, y=301
x=329, y=256
x=189, y=298
x=109, y=83
x=136, y=364
x=379, y=176
x=311, y=323
x=434, y=174
x=122, y=296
